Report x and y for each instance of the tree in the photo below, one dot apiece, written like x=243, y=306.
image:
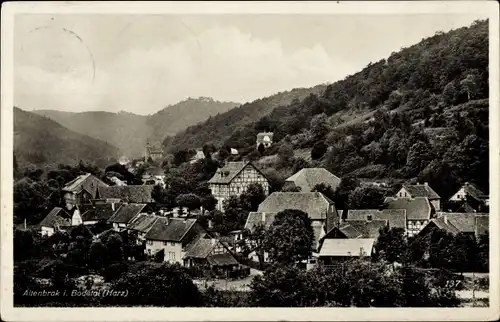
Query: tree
x=279, y=287
x=98, y=255
x=261, y=149
x=189, y=200
x=365, y=198
x=252, y=197
x=325, y=189
x=234, y=214
x=318, y=150
x=418, y=158
x=208, y=149
x=114, y=243
x=257, y=237
x=346, y=186
x=180, y=157
x=391, y=244
x=151, y=284
x=319, y=126
x=285, y=155
x=290, y=238
x=254, y=155
x=483, y=245
x=208, y=202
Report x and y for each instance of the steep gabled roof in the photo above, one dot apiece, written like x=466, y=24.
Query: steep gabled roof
x=307, y=178
x=347, y=247
x=86, y=182
x=229, y=171
x=56, y=217
x=132, y=194
x=203, y=247
x=143, y=222
x=315, y=204
x=126, y=213
x=395, y=217
x=474, y=191
x=462, y=222
x=365, y=229
x=255, y=218
x=421, y=190
x=170, y=229
x=222, y=259
x=416, y=208
x=99, y=212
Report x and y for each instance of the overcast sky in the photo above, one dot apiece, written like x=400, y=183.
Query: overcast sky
x=141, y=64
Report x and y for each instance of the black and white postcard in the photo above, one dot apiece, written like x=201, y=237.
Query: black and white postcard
x=235, y=161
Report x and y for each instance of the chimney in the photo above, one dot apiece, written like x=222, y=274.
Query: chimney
x=113, y=206
x=210, y=224
x=263, y=217
x=445, y=219
x=426, y=183
x=25, y=224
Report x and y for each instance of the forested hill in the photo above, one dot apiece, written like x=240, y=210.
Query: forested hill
x=420, y=114
x=217, y=129
x=129, y=131
x=40, y=141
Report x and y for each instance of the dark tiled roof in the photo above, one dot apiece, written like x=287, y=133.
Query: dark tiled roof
x=464, y=222
x=307, y=178
x=84, y=182
x=200, y=249
x=99, y=212
x=416, y=208
x=126, y=213
x=255, y=218
x=366, y=229
x=228, y=172
x=421, y=190
x=170, y=229
x=473, y=191
x=315, y=204
x=222, y=259
x=396, y=217
x=349, y=231
x=56, y=217
x=482, y=225
x=143, y=222
x=134, y=193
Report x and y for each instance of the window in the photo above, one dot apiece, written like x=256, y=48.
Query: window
x=172, y=244
x=165, y=243
x=150, y=242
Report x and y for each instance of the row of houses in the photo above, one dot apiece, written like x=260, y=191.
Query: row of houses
x=414, y=208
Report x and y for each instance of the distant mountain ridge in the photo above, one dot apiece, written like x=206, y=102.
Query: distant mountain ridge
x=130, y=132
x=41, y=141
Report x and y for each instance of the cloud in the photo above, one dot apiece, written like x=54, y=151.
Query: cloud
x=222, y=62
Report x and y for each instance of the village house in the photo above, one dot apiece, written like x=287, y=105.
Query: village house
x=171, y=236
x=396, y=218
x=420, y=190
x=125, y=214
x=321, y=211
x=334, y=251
x=154, y=176
x=418, y=212
x=469, y=198
x=307, y=178
x=475, y=224
x=56, y=218
x=265, y=139
x=81, y=190
x=233, y=179
x=198, y=156
x=154, y=153
x=211, y=255
x=99, y=212
x=141, y=225
x=127, y=194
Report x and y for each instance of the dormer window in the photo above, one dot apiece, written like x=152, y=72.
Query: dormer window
x=369, y=217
